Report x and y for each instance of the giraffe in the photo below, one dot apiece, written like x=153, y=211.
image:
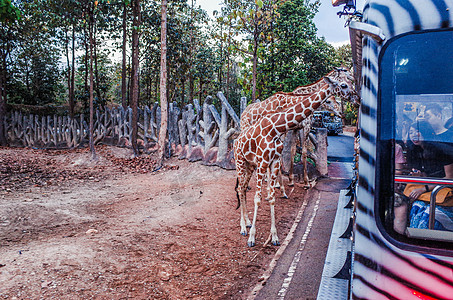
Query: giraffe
x=260, y=145
x=279, y=102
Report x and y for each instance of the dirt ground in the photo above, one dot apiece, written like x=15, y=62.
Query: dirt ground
x=74, y=228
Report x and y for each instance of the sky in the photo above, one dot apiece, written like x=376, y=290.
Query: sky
x=328, y=23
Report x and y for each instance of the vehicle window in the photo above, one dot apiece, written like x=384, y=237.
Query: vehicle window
x=415, y=140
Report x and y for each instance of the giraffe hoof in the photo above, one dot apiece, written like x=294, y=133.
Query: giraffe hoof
x=276, y=243
x=244, y=233
x=251, y=244
x=291, y=184
x=249, y=226
x=285, y=197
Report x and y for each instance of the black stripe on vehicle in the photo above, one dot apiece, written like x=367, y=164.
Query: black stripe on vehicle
x=380, y=291
x=365, y=185
x=443, y=263
x=366, y=62
x=443, y=10
x=364, y=209
x=367, y=136
x=369, y=84
x=382, y=245
x=368, y=263
x=414, y=16
x=387, y=15
x=367, y=157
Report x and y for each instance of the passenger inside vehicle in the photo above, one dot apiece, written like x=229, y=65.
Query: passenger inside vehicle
x=427, y=153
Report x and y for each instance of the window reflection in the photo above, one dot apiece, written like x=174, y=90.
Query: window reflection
x=415, y=150
x=423, y=148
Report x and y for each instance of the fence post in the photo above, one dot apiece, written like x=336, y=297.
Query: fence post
x=321, y=151
x=207, y=124
x=225, y=134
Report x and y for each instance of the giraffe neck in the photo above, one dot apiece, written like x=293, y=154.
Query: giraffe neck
x=310, y=88
x=295, y=115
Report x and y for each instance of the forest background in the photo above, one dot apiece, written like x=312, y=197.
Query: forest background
x=49, y=48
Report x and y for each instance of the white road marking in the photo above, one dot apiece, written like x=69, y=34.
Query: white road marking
x=296, y=259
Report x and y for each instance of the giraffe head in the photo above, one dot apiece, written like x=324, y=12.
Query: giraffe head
x=332, y=105
x=345, y=75
x=340, y=87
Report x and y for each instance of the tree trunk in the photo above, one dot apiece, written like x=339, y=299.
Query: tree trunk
x=134, y=95
x=124, y=66
x=3, y=52
x=72, y=85
x=71, y=110
x=183, y=90
x=91, y=25
x=255, y=65
x=163, y=86
x=96, y=71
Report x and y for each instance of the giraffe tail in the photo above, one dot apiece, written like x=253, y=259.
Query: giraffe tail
x=237, y=193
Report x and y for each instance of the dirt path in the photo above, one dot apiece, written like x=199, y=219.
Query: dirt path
x=71, y=228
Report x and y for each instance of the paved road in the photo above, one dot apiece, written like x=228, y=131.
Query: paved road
x=340, y=148
x=296, y=273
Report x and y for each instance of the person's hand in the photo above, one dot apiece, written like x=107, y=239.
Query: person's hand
x=416, y=173
x=416, y=193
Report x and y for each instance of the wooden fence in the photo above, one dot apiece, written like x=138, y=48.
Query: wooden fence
x=197, y=133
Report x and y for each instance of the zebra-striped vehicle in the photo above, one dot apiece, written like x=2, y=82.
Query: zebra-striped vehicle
x=403, y=211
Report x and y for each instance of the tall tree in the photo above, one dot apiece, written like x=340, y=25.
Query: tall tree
x=124, y=56
x=163, y=86
x=253, y=20
x=91, y=24
x=294, y=55
x=135, y=70
x=8, y=15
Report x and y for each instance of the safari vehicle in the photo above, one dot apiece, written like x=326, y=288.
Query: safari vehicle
x=403, y=64
x=328, y=120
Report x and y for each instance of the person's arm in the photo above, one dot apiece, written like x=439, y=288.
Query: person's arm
x=448, y=171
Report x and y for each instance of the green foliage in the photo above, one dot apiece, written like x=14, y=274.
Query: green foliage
x=350, y=113
x=343, y=56
x=204, y=56
x=8, y=12
x=294, y=56
x=35, y=80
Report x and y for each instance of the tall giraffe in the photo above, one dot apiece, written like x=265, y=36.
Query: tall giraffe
x=279, y=102
x=260, y=146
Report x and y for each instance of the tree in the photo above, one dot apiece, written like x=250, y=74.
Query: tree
x=163, y=87
x=91, y=23
x=124, y=56
x=253, y=20
x=294, y=55
x=8, y=15
x=343, y=56
x=135, y=69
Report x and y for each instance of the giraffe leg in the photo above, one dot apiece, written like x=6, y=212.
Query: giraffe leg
x=244, y=213
x=279, y=184
x=304, y=158
x=244, y=179
x=244, y=172
x=260, y=172
x=291, y=165
x=275, y=168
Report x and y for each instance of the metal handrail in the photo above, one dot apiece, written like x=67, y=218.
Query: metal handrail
x=440, y=184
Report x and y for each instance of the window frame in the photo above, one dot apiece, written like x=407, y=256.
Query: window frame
x=385, y=164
